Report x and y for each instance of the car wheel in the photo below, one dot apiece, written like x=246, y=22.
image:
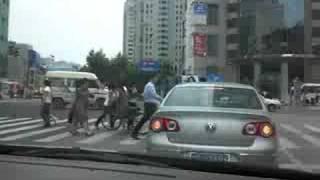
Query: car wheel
x=58, y=103
x=272, y=108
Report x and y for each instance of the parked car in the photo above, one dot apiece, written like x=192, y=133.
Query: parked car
x=219, y=122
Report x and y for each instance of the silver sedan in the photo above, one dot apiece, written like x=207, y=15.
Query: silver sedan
x=216, y=122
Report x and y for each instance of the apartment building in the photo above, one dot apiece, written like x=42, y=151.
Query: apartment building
x=154, y=30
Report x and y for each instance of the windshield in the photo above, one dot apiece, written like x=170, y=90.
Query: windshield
x=216, y=81
x=214, y=97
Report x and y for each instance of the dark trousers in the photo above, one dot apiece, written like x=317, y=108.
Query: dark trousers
x=149, y=110
x=45, y=113
x=106, y=111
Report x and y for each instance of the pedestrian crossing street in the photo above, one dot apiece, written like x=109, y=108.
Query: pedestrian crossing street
x=28, y=130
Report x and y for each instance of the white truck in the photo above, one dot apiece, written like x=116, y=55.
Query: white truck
x=64, y=88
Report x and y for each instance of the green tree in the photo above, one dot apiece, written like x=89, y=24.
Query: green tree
x=97, y=63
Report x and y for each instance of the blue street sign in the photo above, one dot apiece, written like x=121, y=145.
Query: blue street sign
x=200, y=8
x=149, y=65
x=215, y=78
x=34, y=57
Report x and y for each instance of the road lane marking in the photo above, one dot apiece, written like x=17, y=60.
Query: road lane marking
x=312, y=128
x=97, y=138
x=61, y=136
x=287, y=144
x=306, y=137
x=30, y=134
x=14, y=120
x=21, y=123
x=3, y=118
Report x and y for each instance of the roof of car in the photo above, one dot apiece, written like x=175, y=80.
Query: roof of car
x=216, y=84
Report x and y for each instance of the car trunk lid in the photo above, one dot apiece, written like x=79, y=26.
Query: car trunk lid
x=214, y=127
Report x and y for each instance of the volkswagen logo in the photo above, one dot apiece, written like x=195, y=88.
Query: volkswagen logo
x=211, y=126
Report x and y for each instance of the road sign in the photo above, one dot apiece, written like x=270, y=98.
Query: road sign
x=149, y=65
x=200, y=8
x=212, y=77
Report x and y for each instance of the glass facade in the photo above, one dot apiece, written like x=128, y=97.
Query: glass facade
x=271, y=26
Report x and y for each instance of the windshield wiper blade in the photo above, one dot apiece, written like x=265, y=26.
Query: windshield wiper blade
x=161, y=162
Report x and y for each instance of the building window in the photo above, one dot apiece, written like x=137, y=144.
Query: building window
x=232, y=23
x=212, y=45
x=316, y=14
x=232, y=53
x=316, y=32
x=213, y=14
x=233, y=38
x=233, y=7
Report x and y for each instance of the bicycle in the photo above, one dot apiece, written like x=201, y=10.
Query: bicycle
x=127, y=122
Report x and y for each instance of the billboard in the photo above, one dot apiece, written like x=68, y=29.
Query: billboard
x=149, y=65
x=212, y=77
x=200, y=8
x=200, y=13
x=200, y=47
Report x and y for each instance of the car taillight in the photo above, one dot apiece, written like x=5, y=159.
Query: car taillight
x=164, y=124
x=263, y=129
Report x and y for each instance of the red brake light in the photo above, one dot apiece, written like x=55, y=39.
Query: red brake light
x=163, y=124
x=263, y=129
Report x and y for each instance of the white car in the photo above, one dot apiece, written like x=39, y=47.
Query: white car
x=272, y=104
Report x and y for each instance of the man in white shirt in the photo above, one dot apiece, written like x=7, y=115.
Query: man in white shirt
x=151, y=102
x=46, y=103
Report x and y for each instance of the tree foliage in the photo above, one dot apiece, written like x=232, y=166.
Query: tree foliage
x=119, y=70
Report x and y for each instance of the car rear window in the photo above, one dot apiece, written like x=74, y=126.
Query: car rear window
x=221, y=97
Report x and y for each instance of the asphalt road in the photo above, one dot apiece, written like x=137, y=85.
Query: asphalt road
x=20, y=123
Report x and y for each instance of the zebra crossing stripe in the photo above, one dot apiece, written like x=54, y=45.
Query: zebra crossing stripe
x=20, y=129
x=54, y=138
x=21, y=123
x=60, y=136
x=129, y=142
x=30, y=134
x=287, y=144
x=96, y=138
x=312, y=128
x=3, y=132
x=14, y=120
x=306, y=137
x=3, y=118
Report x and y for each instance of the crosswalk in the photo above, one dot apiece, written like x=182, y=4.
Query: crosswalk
x=32, y=131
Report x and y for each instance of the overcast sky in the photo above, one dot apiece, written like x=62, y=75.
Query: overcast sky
x=68, y=29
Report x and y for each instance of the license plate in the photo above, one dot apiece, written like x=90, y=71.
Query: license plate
x=211, y=157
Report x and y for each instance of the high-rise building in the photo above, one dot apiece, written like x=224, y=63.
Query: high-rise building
x=154, y=29
x=212, y=36
x=4, y=18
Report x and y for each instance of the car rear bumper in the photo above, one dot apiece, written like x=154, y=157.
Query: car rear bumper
x=261, y=153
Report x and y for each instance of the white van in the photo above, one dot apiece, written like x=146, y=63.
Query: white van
x=64, y=87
